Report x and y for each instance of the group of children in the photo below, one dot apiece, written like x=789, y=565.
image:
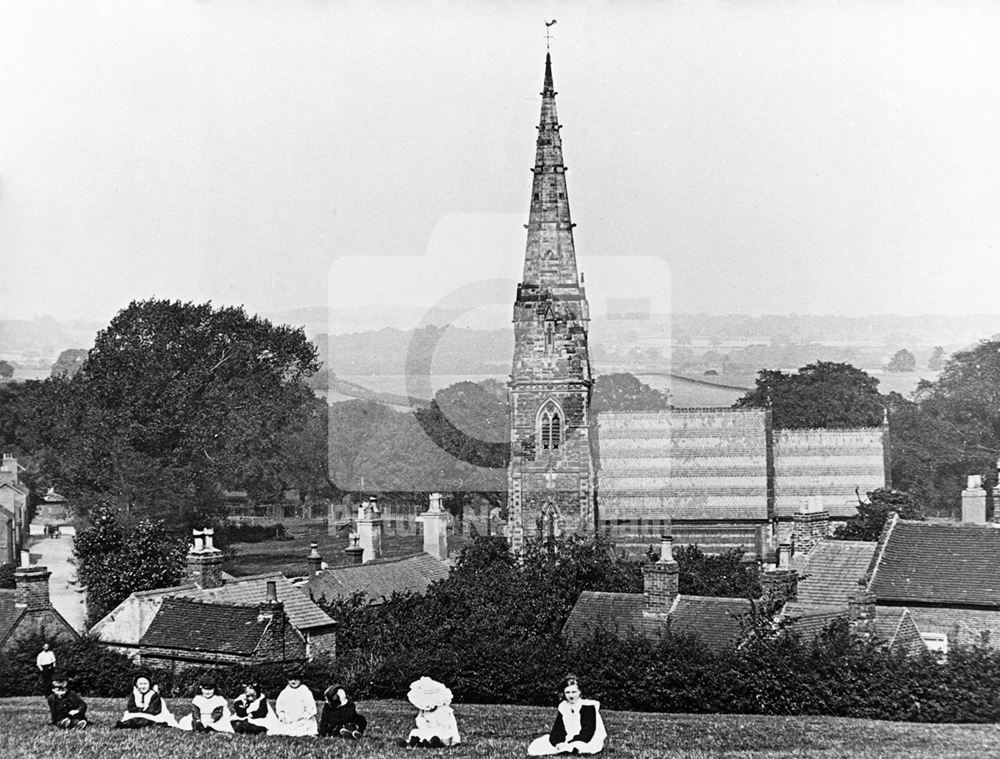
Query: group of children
x=578, y=728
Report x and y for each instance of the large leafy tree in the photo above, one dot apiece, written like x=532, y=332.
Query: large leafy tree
x=626, y=392
x=825, y=394
x=950, y=429
x=174, y=403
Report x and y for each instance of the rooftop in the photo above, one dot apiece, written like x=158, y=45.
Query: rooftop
x=377, y=580
x=832, y=570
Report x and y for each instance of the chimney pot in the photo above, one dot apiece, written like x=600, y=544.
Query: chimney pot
x=272, y=591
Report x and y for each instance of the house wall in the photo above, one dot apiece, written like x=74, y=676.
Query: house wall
x=46, y=622
x=962, y=626
x=129, y=621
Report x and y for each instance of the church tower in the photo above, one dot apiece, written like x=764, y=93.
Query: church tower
x=551, y=478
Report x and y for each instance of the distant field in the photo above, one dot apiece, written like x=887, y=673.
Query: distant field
x=499, y=732
x=289, y=556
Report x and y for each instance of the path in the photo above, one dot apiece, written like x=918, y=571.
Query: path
x=66, y=596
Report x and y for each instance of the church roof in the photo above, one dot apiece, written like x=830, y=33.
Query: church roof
x=377, y=580
x=832, y=570
x=838, y=464
x=683, y=464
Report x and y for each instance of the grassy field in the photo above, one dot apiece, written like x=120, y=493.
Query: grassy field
x=289, y=556
x=497, y=732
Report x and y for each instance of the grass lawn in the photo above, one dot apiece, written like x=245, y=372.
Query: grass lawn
x=498, y=732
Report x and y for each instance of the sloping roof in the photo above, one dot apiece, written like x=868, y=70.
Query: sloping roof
x=683, y=464
x=828, y=462
x=831, y=571
x=9, y=613
x=715, y=620
x=940, y=564
x=809, y=620
x=301, y=611
x=15, y=486
x=189, y=625
x=377, y=580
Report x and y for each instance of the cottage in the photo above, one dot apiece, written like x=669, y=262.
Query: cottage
x=13, y=510
x=125, y=627
x=26, y=610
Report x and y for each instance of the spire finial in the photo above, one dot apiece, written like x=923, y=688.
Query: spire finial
x=548, y=33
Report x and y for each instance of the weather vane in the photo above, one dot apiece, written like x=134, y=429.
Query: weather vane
x=548, y=33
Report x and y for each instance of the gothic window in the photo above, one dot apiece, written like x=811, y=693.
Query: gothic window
x=550, y=427
x=550, y=336
x=548, y=523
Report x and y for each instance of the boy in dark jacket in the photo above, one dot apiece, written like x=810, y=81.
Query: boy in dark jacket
x=67, y=708
x=340, y=716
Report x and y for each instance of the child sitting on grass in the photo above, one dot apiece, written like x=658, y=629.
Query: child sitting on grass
x=209, y=711
x=145, y=708
x=340, y=715
x=436, y=726
x=251, y=713
x=67, y=708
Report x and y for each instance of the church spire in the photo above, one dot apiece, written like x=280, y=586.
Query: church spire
x=549, y=258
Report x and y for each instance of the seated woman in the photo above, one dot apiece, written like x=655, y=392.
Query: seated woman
x=145, y=708
x=296, y=708
x=251, y=713
x=436, y=725
x=578, y=727
x=209, y=711
x=340, y=715
x=67, y=709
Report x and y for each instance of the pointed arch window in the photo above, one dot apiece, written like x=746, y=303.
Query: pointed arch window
x=550, y=427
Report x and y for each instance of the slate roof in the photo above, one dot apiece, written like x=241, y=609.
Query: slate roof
x=378, y=580
x=939, y=564
x=9, y=614
x=714, y=620
x=831, y=571
x=683, y=464
x=834, y=463
x=189, y=625
x=301, y=611
x=809, y=620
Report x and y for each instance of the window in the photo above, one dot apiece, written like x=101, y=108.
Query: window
x=550, y=336
x=550, y=427
x=937, y=644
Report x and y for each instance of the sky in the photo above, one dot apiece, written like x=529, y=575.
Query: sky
x=761, y=157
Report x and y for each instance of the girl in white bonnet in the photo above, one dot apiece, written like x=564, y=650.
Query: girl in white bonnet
x=436, y=726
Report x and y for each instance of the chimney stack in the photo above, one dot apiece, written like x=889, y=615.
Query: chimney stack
x=974, y=501
x=861, y=611
x=659, y=580
x=435, y=521
x=369, y=528
x=204, y=561
x=781, y=584
x=271, y=608
x=314, y=560
x=810, y=525
x=8, y=469
x=355, y=553
x=31, y=586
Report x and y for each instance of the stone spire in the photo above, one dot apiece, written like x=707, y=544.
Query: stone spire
x=551, y=476
x=549, y=259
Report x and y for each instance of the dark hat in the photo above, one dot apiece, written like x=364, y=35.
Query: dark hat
x=293, y=673
x=207, y=683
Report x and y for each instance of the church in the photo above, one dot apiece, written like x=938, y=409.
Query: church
x=719, y=477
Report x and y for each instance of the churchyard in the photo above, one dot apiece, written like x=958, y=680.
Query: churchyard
x=495, y=732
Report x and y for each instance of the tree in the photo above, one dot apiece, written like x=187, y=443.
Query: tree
x=724, y=575
x=69, y=362
x=6, y=370
x=174, y=403
x=902, y=361
x=114, y=560
x=626, y=392
x=821, y=395
x=936, y=361
x=867, y=524
x=950, y=430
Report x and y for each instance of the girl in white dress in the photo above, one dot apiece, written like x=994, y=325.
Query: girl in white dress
x=578, y=727
x=295, y=708
x=436, y=726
